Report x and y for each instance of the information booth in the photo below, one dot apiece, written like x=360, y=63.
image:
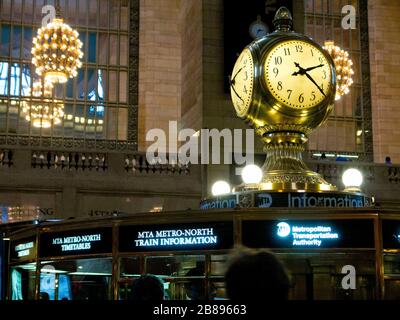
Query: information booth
x=189, y=251
x=391, y=250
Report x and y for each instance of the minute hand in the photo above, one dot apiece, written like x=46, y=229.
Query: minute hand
x=312, y=68
x=233, y=88
x=232, y=80
x=313, y=81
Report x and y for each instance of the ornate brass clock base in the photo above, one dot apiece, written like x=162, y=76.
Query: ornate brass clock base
x=308, y=181
x=284, y=168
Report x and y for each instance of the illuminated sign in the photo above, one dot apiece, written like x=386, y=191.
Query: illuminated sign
x=312, y=236
x=288, y=200
x=310, y=200
x=356, y=233
x=181, y=237
x=283, y=229
x=23, y=249
x=223, y=202
x=91, y=241
x=217, y=235
x=83, y=242
x=391, y=234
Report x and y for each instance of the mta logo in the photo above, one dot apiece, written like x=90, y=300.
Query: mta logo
x=283, y=229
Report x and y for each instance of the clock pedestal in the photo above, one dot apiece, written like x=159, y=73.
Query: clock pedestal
x=293, y=93
x=266, y=75
x=284, y=168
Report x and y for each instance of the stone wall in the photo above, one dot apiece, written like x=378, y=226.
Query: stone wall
x=160, y=57
x=77, y=191
x=384, y=23
x=192, y=59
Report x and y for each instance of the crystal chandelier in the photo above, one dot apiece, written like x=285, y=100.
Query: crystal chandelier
x=42, y=109
x=57, y=52
x=343, y=65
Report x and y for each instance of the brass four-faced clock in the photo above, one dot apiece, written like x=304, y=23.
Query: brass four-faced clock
x=283, y=80
x=283, y=85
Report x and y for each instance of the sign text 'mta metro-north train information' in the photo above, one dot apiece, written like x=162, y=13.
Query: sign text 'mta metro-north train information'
x=176, y=237
x=183, y=236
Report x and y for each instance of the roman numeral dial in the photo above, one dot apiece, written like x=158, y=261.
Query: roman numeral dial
x=298, y=74
x=242, y=82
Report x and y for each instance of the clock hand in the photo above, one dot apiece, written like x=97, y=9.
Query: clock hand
x=233, y=88
x=313, y=81
x=298, y=66
x=232, y=80
x=301, y=70
x=312, y=68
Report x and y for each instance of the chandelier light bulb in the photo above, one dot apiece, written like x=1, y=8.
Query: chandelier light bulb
x=343, y=68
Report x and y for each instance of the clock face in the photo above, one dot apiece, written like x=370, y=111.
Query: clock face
x=242, y=80
x=298, y=74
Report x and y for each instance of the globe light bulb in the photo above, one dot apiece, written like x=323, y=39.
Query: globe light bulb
x=252, y=174
x=220, y=188
x=352, y=180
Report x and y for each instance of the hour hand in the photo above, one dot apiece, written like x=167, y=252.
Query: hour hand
x=301, y=70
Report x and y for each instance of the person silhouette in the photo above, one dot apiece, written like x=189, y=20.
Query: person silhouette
x=254, y=275
x=44, y=296
x=147, y=288
x=195, y=287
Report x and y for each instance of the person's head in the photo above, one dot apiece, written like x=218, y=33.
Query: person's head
x=44, y=296
x=256, y=275
x=195, y=288
x=388, y=160
x=148, y=288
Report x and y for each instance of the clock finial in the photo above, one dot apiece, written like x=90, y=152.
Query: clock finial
x=283, y=20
